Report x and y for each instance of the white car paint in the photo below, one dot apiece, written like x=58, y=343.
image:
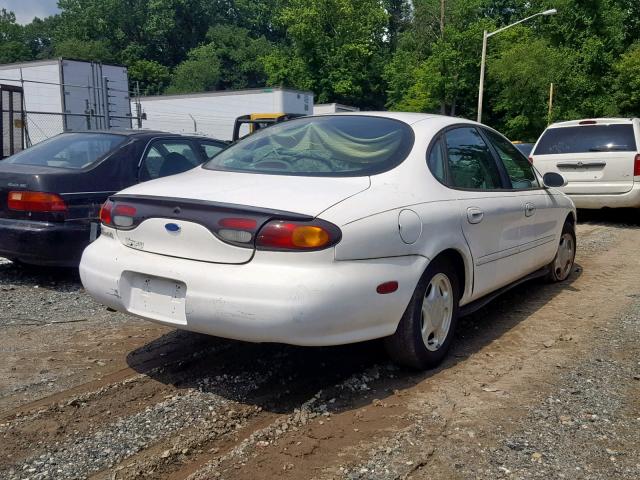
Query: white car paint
x=595, y=179
x=393, y=224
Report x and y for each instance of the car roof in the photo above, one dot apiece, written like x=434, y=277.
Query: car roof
x=407, y=117
x=146, y=133
x=598, y=121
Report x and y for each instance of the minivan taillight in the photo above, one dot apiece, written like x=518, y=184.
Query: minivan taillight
x=36, y=202
x=636, y=166
x=297, y=236
x=531, y=160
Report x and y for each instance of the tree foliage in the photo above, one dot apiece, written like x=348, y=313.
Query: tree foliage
x=399, y=54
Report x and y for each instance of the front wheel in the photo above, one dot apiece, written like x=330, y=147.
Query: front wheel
x=562, y=264
x=426, y=329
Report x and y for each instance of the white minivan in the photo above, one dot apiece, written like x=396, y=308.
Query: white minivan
x=600, y=158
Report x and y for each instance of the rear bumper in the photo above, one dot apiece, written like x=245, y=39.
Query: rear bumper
x=300, y=299
x=630, y=199
x=43, y=243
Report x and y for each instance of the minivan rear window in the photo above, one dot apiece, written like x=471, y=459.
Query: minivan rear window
x=327, y=146
x=586, y=139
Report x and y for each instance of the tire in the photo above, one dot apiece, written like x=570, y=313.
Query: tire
x=408, y=346
x=562, y=264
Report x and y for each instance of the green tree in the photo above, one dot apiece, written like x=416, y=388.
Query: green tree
x=200, y=72
x=89, y=50
x=627, y=81
x=240, y=57
x=152, y=77
x=334, y=47
x=12, y=45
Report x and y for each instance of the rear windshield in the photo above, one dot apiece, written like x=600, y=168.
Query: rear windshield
x=69, y=150
x=588, y=138
x=331, y=146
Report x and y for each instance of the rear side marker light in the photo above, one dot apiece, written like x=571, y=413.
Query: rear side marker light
x=300, y=236
x=387, y=287
x=636, y=166
x=36, y=202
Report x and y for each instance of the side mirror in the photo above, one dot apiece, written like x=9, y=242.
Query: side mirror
x=554, y=180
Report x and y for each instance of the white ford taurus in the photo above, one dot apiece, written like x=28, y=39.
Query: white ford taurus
x=336, y=229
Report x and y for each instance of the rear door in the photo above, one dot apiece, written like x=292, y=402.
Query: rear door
x=491, y=214
x=540, y=220
x=595, y=158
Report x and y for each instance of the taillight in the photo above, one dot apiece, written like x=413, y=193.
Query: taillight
x=117, y=215
x=636, y=166
x=237, y=230
x=36, y=202
x=531, y=160
x=105, y=213
x=300, y=236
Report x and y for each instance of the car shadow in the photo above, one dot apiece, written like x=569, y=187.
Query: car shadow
x=280, y=378
x=49, y=278
x=619, y=217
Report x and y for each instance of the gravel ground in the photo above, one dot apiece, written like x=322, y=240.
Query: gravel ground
x=542, y=383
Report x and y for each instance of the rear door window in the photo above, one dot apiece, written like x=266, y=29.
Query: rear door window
x=168, y=157
x=470, y=161
x=587, y=139
x=518, y=168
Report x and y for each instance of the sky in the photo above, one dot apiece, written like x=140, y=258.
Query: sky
x=26, y=10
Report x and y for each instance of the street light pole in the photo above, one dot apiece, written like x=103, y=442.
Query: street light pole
x=485, y=36
x=483, y=60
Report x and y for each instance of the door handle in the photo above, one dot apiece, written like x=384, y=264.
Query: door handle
x=529, y=209
x=474, y=215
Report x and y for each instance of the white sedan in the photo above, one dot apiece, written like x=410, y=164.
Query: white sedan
x=336, y=229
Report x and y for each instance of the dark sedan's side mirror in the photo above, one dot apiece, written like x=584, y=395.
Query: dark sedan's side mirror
x=554, y=180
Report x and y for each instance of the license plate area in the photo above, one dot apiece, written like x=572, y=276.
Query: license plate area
x=153, y=297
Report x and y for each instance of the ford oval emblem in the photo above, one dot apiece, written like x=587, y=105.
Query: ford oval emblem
x=172, y=227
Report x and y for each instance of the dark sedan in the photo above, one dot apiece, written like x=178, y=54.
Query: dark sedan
x=51, y=193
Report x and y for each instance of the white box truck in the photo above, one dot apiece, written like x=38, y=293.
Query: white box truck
x=325, y=108
x=69, y=95
x=214, y=113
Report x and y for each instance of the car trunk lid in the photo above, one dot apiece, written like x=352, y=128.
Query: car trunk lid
x=215, y=216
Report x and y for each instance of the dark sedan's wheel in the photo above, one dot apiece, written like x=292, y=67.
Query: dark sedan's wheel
x=561, y=266
x=426, y=329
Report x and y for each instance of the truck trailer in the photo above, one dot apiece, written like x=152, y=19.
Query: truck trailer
x=214, y=113
x=67, y=95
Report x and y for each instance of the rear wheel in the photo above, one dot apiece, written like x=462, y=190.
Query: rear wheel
x=426, y=329
x=562, y=265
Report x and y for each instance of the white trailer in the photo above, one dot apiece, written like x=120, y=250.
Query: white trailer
x=324, y=108
x=214, y=113
x=70, y=95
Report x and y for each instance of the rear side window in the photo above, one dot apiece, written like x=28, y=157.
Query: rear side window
x=587, y=138
x=517, y=166
x=471, y=163
x=329, y=146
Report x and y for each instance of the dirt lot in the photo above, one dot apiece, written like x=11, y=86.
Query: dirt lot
x=542, y=383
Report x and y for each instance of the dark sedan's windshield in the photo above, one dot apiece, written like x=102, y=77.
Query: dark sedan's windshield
x=69, y=150
x=332, y=146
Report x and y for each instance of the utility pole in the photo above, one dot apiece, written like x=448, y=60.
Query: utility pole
x=550, y=115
